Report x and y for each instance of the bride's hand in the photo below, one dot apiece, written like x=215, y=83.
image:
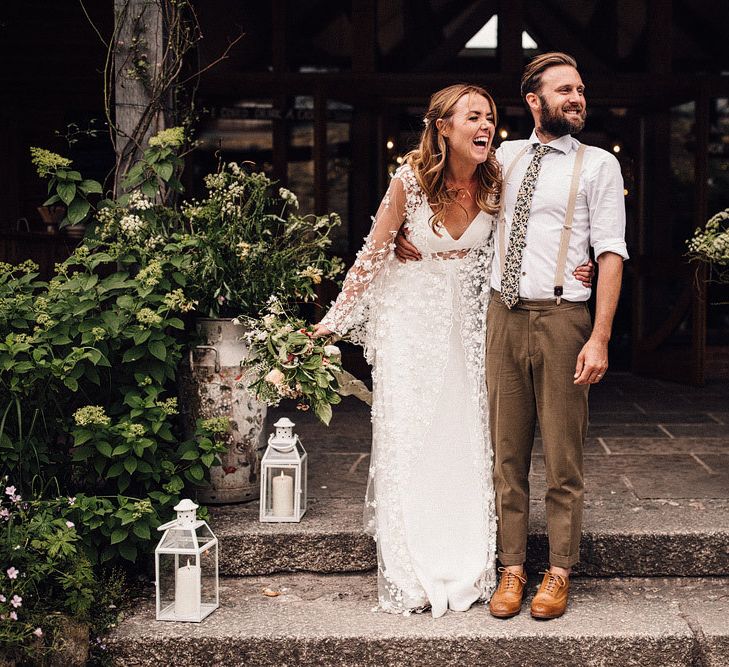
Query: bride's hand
x=320, y=331
x=404, y=250
x=585, y=273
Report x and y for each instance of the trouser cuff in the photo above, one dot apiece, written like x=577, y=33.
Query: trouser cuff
x=512, y=559
x=563, y=561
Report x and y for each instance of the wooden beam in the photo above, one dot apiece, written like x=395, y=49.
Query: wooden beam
x=279, y=35
x=629, y=90
x=660, y=29
x=511, y=25
x=320, y=154
x=555, y=31
x=460, y=31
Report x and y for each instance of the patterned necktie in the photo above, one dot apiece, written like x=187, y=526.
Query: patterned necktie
x=517, y=239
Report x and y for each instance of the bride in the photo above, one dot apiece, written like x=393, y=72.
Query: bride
x=430, y=498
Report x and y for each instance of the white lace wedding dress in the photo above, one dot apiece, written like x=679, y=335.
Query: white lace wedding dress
x=430, y=499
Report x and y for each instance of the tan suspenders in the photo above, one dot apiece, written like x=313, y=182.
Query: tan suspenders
x=566, y=228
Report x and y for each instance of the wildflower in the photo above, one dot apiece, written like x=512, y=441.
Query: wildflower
x=169, y=407
x=302, y=406
x=244, y=250
x=216, y=424
x=275, y=377
x=13, y=615
x=150, y=275
x=149, y=317
x=176, y=300
x=46, y=162
x=16, y=499
x=91, y=415
x=70, y=524
x=3, y=598
x=289, y=197
x=138, y=202
x=17, y=601
x=98, y=333
x=12, y=572
x=10, y=490
x=172, y=137
x=131, y=225
x=72, y=500
x=44, y=320
x=313, y=273
x=134, y=430
x=38, y=632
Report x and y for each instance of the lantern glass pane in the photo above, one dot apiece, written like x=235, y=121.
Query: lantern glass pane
x=166, y=583
x=180, y=539
x=209, y=580
x=280, y=489
x=204, y=535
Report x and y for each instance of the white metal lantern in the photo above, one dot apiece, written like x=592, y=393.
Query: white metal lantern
x=283, y=475
x=186, y=567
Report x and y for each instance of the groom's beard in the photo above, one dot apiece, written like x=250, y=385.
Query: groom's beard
x=554, y=122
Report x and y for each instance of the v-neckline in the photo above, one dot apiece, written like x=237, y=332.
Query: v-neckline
x=465, y=231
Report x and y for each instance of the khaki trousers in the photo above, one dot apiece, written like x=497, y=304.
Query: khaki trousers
x=530, y=364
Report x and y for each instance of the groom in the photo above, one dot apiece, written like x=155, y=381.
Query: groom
x=558, y=199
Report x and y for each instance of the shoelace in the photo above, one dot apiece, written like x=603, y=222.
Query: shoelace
x=554, y=581
x=508, y=579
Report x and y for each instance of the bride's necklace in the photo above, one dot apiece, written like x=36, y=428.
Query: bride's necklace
x=461, y=193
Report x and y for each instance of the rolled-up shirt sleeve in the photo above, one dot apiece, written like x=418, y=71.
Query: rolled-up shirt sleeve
x=606, y=203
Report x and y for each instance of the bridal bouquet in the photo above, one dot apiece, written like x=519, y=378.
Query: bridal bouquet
x=286, y=361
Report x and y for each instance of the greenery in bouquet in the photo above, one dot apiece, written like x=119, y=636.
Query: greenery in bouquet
x=710, y=244
x=288, y=362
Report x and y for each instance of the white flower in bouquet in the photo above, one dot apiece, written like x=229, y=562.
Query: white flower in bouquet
x=275, y=377
x=289, y=197
x=332, y=351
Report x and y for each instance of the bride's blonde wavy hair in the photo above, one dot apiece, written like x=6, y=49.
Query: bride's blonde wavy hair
x=428, y=160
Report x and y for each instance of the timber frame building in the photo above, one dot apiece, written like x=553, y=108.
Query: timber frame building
x=327, y=95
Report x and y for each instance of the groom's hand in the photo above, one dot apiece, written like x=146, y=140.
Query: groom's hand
x=592, y=362
x=404, y=250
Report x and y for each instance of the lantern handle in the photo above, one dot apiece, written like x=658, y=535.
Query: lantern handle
x=205, y=347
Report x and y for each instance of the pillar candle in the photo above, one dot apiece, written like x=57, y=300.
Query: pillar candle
x=283, y=495
x=187, y=591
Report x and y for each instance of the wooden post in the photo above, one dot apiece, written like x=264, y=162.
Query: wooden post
x=701, y=202
x=320, y=153
x=281, y=101
x=511, y=25
x=138, y=54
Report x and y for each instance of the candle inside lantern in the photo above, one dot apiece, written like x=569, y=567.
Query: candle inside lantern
x=283, y=495
x=187, y=591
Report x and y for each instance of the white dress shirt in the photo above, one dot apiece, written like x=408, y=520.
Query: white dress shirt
x=599, y=218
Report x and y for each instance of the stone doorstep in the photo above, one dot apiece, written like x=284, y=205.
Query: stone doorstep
x=603, y=554
x=329, y=620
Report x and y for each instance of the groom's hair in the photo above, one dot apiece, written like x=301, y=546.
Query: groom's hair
x=531, y=79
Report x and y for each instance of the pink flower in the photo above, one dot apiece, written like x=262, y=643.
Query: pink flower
x=13, y=615
x=17, y=601
x=70, y=524
x=12, y=572
x=10, y=490
x=5, y=513
x=16, y=499
x=38, y=632
x=3, y=598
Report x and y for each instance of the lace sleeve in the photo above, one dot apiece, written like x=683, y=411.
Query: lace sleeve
x=378, y=247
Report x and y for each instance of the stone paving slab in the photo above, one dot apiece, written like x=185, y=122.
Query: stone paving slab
x=329, y=620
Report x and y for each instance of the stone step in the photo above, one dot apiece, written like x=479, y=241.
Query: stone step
x=329, y=620
x=330, y=539
x=654, y=506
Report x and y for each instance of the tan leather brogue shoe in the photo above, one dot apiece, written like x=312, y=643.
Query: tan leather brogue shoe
x=506, y=600
x=551, y=598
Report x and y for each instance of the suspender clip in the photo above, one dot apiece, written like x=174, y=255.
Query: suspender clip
x=558, y=291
